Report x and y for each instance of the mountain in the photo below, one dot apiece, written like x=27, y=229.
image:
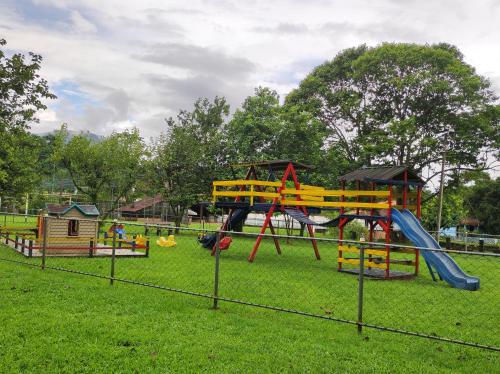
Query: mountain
x=72, y=133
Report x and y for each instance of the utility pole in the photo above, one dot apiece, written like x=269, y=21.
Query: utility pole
x=441, y=187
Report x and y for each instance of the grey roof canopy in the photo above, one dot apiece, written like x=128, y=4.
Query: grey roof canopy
x=61, y=210
x=383, y=174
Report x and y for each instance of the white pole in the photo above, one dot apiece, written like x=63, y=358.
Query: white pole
x=441, y=187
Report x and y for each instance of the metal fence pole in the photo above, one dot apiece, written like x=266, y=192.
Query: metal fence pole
x=466, y=240
x=361, y=287
x=217, y=268
x=113, y=255
x=44, y=244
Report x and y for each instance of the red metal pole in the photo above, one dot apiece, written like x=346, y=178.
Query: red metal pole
x=268, y=216
x=304, y=210
x=419, y=201
x=341, y=226
x=388, y=236
x=405, y=189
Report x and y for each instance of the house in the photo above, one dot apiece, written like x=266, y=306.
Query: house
x=152, y=210
x=69, y=226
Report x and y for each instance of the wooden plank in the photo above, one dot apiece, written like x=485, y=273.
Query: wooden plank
x=246, y=182
x=335, y=204
x=309, y=187
x=270, y=195
x=370, y=251
x=356, y=262
x=347, y=193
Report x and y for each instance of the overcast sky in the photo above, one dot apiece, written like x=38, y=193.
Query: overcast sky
x=115, y=64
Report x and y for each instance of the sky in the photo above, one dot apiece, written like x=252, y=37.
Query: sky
x=117, y=64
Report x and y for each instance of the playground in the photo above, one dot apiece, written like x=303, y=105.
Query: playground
x=241, y=279
x=189, y=328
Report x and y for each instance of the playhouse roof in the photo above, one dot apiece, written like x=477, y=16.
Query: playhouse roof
x=62, y=209
x=382, y=174
x=275, y=164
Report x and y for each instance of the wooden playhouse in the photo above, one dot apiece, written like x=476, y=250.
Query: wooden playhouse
x=71, y=229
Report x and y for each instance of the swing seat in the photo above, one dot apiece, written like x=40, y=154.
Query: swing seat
x=225, y=243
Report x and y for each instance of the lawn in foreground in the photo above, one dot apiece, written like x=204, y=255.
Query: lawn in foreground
x=59, y=322
x=64, y=322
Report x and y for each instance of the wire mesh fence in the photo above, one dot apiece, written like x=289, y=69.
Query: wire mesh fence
x=285, y=276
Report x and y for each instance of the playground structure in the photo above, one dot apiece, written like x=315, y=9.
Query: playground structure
x=71, y=230
x=386, y=190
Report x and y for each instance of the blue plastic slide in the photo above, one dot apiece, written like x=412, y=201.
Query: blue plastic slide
x=446, y=268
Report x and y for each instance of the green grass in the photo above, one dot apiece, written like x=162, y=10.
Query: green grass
x=59, y=322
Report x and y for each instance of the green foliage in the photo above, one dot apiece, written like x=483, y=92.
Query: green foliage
x=252, y=132
x=402, y=104
x=483, y=202
x=22, y=94
x=102, y=170
x=188, y=157
x=453, y=210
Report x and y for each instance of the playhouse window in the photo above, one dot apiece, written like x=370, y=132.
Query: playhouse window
x=73, y=227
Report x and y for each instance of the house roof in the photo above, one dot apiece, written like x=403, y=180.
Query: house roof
x=62, y=209
x=381, y=173
x=275, y=164
x=141, y=204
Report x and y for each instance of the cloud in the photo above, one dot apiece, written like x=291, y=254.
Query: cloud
x=115, y=64
x=81, y=24
x=180, y=93
x=199, y=59
x=284, y=28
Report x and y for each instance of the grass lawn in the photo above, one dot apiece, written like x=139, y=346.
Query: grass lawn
x=59, y=322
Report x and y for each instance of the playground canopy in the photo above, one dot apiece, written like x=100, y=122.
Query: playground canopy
x=396, y=175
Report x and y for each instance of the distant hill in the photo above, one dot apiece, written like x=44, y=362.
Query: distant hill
x=72, y=133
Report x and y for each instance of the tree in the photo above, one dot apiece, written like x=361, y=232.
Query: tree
x=404, y=104
x=105, y=170
x=483, y=204
x=22, y=94
x=189, y=155
x=453, y=211
x=253, y=130
x=263, y=129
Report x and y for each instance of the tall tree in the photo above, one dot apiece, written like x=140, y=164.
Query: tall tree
x=253, y=130
x=404, y=104
x=22, y=95
x=106, y=170
x=189, y=155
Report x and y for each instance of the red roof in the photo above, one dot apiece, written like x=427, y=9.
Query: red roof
x=141, y=204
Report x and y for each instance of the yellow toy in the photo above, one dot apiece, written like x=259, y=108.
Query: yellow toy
x=140, y=240
x=169, y=242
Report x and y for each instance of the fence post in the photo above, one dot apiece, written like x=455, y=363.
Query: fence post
x=466, y=233
x=133, y=243
x=158, y=231
x=91, y=248
x=23, y=244
x=30, y=249
x=113, y=253
x=44, y=244
x=217, y=267
x=146, y=229
x=361, y=287
x=147, y=248
x=481, y=245
x=16, y=243
x=448, y=243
